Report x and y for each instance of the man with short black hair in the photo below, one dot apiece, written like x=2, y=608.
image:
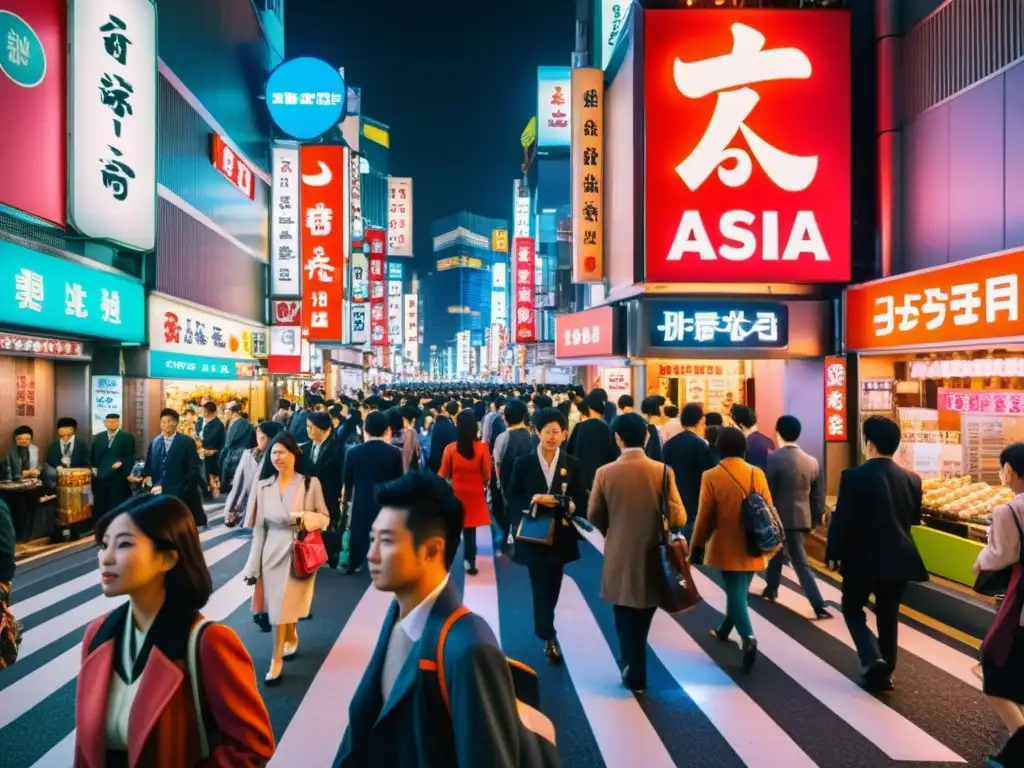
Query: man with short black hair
x=625, y=403
x=650, y=408
x=689, y=456
x=759, y=445
x=373, y=462
x=798, y=493
x=592, y=442
x=111, y=455
x=393, y=715
x=442, y=433
x=323, y=457
x=67, y=450
x=172, y=464
x=870, y=543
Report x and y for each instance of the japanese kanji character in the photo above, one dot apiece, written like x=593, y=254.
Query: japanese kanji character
x=116, y=42
x=965, y=302
x=116, y=175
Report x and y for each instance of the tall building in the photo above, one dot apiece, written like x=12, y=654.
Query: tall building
x=457, y=293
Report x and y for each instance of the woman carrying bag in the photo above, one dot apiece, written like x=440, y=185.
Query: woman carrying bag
x=289, y=509
x=239, y=504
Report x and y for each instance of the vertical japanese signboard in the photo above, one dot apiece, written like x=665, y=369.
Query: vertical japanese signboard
x=836, y=408
x=412, y=328
x=360, y=323
x=553, y=86
x=521, y=210
x=285, y=272
x=378, y=288
x=324, y=220
x=357, y=201
x=232, y=167
x=587, y=175
x=523, y=268
x=360, y=276
x=399, y=216
x=395, y=312
x=499, y=240
x=112, y=164
x=35, y=163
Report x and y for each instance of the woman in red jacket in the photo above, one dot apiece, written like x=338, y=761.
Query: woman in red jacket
x=467, y=463
x=136, y=704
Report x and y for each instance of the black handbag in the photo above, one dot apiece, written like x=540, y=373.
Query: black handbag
x=992, y=583
x=678, y=589
x=537, y=527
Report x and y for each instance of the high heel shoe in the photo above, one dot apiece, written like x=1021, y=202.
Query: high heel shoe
x=291, y=650
x=271, y=679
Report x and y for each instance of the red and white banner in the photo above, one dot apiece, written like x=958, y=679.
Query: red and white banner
x=232, y=167
x=523, y=267
x=325, y=241
x=377, y=239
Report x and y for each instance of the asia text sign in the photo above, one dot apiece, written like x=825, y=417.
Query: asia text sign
x=324, y=222
x=376, y=238
x=836, y=410
x=719, y=325
x=972, y=300
x=113, y=120
x=587, y=174
x=399, y=216
x=285, y=270
x=748, y=146
x=585, y=334
x=523, y=258
x=38, y=290
x=232, y=167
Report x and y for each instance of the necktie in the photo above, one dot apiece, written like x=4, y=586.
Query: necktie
x=110, y=440
x=316, y=452
x=67, y=449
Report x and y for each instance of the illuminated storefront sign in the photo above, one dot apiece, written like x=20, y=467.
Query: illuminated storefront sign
x=289, y=352
x=525, y=320
x=306, y=97
x=395, y=270
x=112, y=117
x=836, y=411
x=412, y=327
x=719, y=325
x=360, y=323
x=395, y=312
x=499, y=240
x=286, y=312
x=974, y=300
x=325, y=240
x=285, y=270
x=360, y=276
x=499, y=292
x=454, y=262
x=585, y=334
x=232, y=167
x=399, y=216
x=747, y=164
x=587, y=175
x=553, y=86
x=978, y=368
x=377, y=238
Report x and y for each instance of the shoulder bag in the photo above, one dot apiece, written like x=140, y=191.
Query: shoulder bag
x=678, y=589
x=194, y=638
x=992, y=583
x=308, y=549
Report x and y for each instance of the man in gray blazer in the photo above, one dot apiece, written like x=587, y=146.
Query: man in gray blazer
x=798, y=491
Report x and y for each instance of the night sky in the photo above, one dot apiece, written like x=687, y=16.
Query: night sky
x=455, y=81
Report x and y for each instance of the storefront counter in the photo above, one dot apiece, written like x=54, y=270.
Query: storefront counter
x=947, y=554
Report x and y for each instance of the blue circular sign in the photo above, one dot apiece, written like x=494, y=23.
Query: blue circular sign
x=25, y=62
x=306, y=97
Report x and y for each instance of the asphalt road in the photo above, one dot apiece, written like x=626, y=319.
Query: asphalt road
x=801, y=706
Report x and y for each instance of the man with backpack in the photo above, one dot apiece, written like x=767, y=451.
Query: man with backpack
x=438, y=691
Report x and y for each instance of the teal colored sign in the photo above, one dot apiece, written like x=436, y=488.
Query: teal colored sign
x=168, y=365
x=25, y=62
x=63, y=297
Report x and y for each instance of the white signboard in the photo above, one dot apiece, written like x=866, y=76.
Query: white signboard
x=112, y=117
x=462, y=353
x=360, y=323
x=399, y=216
x=613, y=19
x=412, y=327
x=521, y=211
x=180, y=328
x=394, y=312
x=356, y=198
x=107, y=397
x=360, y=276
x=287, y=341
x=616, y=382
x=285, y=269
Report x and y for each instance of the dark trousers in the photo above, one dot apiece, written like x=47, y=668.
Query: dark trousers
x=794, y=549
x=888, y=595
x=469, y=545
x=632, y=626
x=359, y=538
x=545, y=584
x=499, y=524
x=108, y=493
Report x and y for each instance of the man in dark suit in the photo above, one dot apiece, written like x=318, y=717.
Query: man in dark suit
x=798, y=492
x=592, y=441
x=67, y=450
x=870, y=543
x=759, y=445
x=172, y=463
x=366, y=466
x=397, y=715
x=323, y=457
x=212, y=433
x=540, y=478
x=689, y=456
x=441, y=434
x=238, y=439
x=111, y=455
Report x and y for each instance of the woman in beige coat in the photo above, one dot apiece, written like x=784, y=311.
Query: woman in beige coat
x=625, y=505
x=285, y=502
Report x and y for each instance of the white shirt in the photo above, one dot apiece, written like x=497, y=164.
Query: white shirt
x=548, y=469
x=405, y=634
x=66, y=449
x=122, y=694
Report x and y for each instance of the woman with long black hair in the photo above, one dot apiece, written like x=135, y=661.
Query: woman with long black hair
x=467, y=464
x=239, y=505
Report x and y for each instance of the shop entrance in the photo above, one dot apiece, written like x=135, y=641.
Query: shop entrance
x=715, y=384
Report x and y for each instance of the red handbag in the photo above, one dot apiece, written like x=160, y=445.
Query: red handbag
x=308, y=549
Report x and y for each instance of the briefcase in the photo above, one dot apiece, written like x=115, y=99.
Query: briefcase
x=537, y=527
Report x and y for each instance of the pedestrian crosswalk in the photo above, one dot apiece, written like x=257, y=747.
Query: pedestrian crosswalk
x=800, y=706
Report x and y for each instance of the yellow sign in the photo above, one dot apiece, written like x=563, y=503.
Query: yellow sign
x=453, y=262
x=377, y=135
x=587, y=175
x=529, y=133
x=499, y=240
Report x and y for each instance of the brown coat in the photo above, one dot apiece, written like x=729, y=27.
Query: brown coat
x=625, y=506
x=718, y=526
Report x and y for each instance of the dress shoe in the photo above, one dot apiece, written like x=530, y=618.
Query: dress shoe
x=271, y=679
x=822, y=613
x=877, y=676
x=307, y=617
x=470, y=568
x=633, y=685
x=717, y=634
x=771, y=597
x=749, y=653
x=553, y=653
x=291, y=650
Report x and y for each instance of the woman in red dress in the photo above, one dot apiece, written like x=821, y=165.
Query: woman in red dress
x=467, y=463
